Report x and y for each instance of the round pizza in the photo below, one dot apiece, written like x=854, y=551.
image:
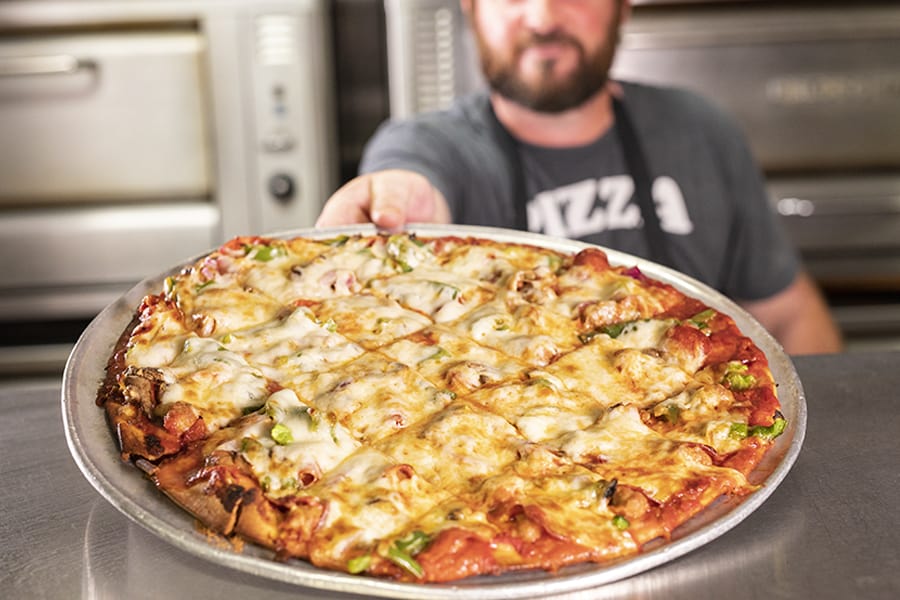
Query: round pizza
x=433, y=408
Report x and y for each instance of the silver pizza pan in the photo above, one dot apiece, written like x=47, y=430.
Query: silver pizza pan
x=126, y=488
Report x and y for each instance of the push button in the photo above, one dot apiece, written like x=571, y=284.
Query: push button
x=281, y=186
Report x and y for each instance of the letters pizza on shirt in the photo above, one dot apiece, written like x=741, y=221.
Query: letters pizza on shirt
x=605, y=204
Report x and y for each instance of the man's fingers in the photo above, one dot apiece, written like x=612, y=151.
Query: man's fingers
x=426, y=204
x=400, y=197
x=389, y=199
x=390, y=193
x=348, y=205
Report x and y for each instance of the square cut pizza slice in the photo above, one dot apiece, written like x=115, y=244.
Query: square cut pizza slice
x=642, y=362
x=597, y=294
x=185, y=386
x=345, y=268
x=372, y=396
x=541, y=408
x=296, y=342
x=528, y=332
x=540, y=511
x=454, y=362
x=287, y=446
x=317, y=495
x=661, y=481
x=240, y=284
x=433, y=291
x=492, y=263
x=456, y=448
x=286, y=271
x=370, y=321
x=159, y=392
x=159, y=410
x=367, y=499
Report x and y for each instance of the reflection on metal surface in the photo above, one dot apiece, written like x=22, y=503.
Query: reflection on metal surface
x=123, y=560
x=125, y=488
x=857, y=88
x=27, y=66
x=795, y=207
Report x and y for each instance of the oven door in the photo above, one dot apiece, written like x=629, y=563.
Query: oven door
x=103, y=117
x=104, y=164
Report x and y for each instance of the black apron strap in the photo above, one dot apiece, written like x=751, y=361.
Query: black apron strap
x=635, y=162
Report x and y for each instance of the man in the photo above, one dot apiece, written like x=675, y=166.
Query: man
x=557, y=147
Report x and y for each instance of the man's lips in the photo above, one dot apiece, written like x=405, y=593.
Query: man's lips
x=546, y=51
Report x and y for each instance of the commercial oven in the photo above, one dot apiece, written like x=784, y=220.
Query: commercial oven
x=134, y=135
x=813, y=85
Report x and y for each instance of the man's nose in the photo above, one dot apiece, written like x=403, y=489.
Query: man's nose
x=540, y=15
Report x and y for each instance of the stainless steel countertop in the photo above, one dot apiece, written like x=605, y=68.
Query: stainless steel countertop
x=831, y=529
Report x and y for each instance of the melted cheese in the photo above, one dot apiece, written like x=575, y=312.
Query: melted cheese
x=567, y=497
x=218, y=383
x=530, y=334
x=705, y=415
x=482, y=263
x=440, y=294
x=649, y=375
x=485, y=261
x=299, y=343
x=455, y=362
x=160, y=339
x=369, y=498
x=295, y=459
x=591, y=369
x=457, y=447
x=648, y=333
x=222, y=310
x=582, y=284
x=620, y=437
x=371, y=321
x=615, y=373
x=621, y=444
x=374, y=397
x=339, y=272
x=540, y=410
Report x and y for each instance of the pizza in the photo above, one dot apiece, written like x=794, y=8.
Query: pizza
x=428, y=409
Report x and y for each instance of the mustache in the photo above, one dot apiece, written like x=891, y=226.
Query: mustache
x=530, y=39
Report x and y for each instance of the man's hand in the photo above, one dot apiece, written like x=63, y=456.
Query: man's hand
x=389, y=199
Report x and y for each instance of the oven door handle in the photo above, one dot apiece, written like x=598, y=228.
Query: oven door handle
x=27, y=66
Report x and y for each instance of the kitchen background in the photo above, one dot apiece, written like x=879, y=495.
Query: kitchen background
x=136, y=134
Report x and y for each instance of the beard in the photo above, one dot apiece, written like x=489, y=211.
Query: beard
x=549, y=93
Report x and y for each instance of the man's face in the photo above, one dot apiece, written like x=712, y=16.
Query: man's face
x=547, y=55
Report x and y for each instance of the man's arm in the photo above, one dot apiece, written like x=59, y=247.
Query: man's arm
x=799, y=318
x=389, y=199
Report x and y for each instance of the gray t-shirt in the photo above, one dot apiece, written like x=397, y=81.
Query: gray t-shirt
x=708, y=191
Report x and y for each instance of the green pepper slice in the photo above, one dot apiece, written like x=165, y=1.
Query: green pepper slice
x=282, y=434
x=737, y=377
x=359, y=564
x=402, y=551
